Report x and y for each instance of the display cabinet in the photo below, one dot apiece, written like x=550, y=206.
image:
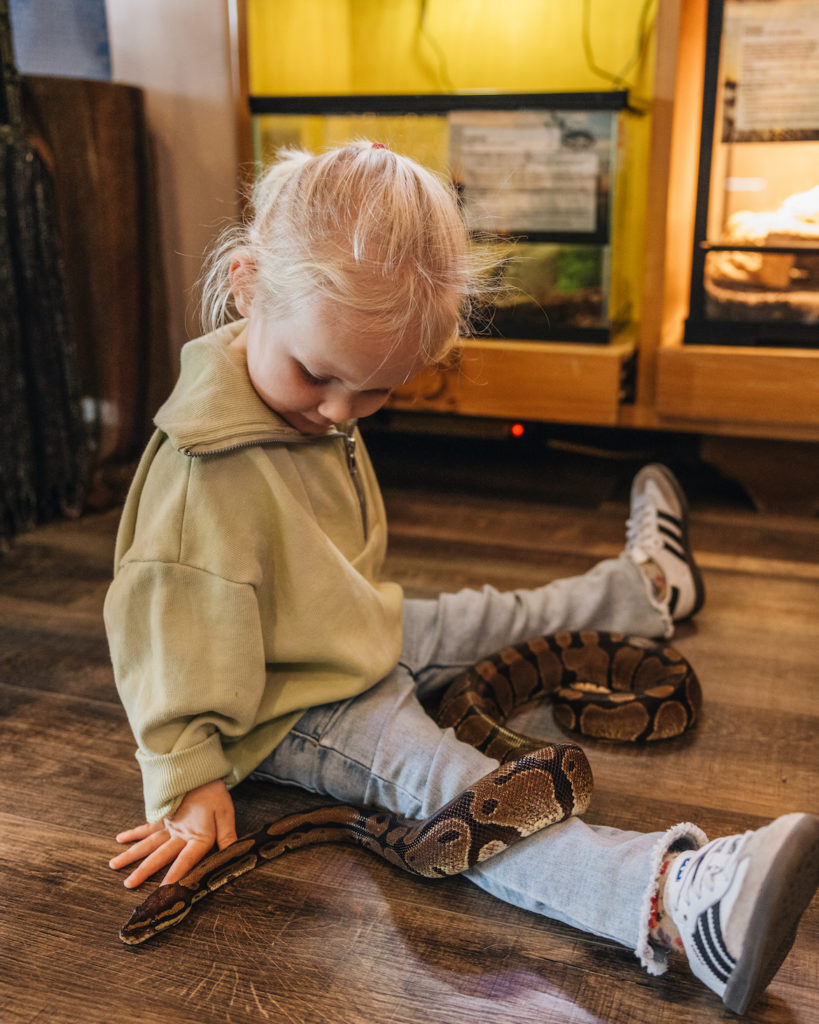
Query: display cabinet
x=660, y=305
x=538, y=176
x=737, y=359
x=755, y=269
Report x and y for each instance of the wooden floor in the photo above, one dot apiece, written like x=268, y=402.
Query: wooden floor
x=333, y=934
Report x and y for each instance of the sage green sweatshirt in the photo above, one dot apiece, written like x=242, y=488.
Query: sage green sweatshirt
x=246, y=580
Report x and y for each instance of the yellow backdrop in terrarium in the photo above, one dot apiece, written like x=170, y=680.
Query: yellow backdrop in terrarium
x=570, y=284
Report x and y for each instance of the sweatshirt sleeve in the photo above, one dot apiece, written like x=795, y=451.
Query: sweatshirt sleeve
x=189, y=664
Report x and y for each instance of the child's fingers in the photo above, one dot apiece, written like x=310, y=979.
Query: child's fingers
x=139, y=850
x=130, y=835
x=189, y=857
x=225, y=825
x=159, y=859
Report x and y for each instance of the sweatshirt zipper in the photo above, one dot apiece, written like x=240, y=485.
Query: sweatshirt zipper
x=352, y=467
x=349, y=451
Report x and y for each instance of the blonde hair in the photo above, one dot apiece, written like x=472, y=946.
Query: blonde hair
x=363, y=227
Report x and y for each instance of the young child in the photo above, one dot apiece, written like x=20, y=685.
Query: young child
x=251, y=631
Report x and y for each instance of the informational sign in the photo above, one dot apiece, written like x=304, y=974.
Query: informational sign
x=770, y=71
x=528, y=171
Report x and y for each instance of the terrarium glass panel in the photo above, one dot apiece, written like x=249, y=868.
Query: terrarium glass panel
x=547, y=287
x=424, y=137
x=537, y=183
x=758, y=262
x=534, y=172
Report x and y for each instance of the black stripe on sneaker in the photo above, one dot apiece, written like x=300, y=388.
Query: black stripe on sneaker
x=673, y=598
x=671, y=532
x=675, y=521
x=711, y=946
x=677, y=552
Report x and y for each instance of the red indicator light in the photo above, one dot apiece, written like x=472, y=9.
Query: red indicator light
x=517, y=430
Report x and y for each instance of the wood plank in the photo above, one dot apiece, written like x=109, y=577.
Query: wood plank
x=530, y=380
x=333, y=933
x=296, y=945
x=497, y=520
x=744, y=385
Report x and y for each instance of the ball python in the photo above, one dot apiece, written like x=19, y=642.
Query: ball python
x=605, y=685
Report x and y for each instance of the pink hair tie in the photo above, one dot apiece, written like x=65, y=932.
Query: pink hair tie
x=378, y=145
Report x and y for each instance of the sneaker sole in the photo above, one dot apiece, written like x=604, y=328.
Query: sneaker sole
x=783, y=898
x=699, y=586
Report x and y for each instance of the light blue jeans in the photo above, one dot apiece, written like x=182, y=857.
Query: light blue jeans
x=383, y=749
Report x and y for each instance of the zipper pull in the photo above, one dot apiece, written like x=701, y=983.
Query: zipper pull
x=349, y=445
x=352, y=466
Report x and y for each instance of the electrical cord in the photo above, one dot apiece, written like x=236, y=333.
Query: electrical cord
x=645, y=26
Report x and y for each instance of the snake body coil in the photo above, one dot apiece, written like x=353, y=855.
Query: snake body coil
x=602, y=684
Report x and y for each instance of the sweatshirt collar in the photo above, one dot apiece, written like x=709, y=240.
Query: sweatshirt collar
x=214, y=407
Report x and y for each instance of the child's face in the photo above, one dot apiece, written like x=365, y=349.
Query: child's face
x=314, y=369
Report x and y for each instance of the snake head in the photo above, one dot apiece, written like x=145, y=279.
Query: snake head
x=165, y=907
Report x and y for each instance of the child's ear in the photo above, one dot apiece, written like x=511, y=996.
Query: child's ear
x=242, y=272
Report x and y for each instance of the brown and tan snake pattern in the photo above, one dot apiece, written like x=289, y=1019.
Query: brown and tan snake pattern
x=606, y=685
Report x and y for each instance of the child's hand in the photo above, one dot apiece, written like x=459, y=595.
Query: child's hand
x=205, y=816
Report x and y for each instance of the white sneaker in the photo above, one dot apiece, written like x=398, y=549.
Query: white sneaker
x=737, y=901
x=657, y=536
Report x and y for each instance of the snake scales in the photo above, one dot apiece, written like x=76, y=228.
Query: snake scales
x=601, y=684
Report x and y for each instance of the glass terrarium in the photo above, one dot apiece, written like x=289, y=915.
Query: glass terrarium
x=537, y=176
x=755, y=269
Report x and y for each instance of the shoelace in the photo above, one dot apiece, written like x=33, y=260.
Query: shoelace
x=708, y=865
x=641, y=526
